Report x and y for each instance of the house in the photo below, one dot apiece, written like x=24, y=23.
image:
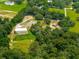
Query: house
x=54, y=24
x=23, y=27
x=19, y=29
x=9, y=2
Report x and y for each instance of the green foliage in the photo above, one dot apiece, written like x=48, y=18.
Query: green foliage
x=75, y=5
x=55, y=44
x=47, y=21
x=39, y=16
x=66, y=23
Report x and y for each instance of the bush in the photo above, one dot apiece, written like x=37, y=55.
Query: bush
x=39, y=16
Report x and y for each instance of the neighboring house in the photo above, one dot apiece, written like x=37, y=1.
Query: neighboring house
x=23, y=27
x=54, y=24
x=9, y=2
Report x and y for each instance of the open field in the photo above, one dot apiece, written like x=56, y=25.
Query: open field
x=73, y=16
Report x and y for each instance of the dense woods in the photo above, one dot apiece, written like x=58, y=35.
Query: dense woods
x=55, y=44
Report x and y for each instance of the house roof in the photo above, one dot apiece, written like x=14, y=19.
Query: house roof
x=9, y=3
x=20, y=28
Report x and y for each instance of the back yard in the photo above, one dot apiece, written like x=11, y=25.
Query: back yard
x=16, y=7
x=23, y=42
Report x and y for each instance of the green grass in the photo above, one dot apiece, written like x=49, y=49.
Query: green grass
x=23, y=42
x=16, y=7
x=2, y=0
x=73, y=16
x=56, y=10
x=23, y=45
x=29, y=36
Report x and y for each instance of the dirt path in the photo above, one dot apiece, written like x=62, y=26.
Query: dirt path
x=11, y=36
x=7, y=11
x=7, y=14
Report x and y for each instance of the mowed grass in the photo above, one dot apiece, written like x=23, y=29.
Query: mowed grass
x=73, y=16
x=23, y=42
x=16, y=7
x=25, y=37
x=56, y=10
x=23, y=45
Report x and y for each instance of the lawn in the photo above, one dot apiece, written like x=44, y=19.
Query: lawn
x=73, y=16
x=16, y=7
x=56, y=10
x=23, y=42
x=25, y=37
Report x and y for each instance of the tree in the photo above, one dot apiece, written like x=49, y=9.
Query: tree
x=39, y=16
x=54, y=44
x=14, y=54
x=47, y=21
x=77, y=10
